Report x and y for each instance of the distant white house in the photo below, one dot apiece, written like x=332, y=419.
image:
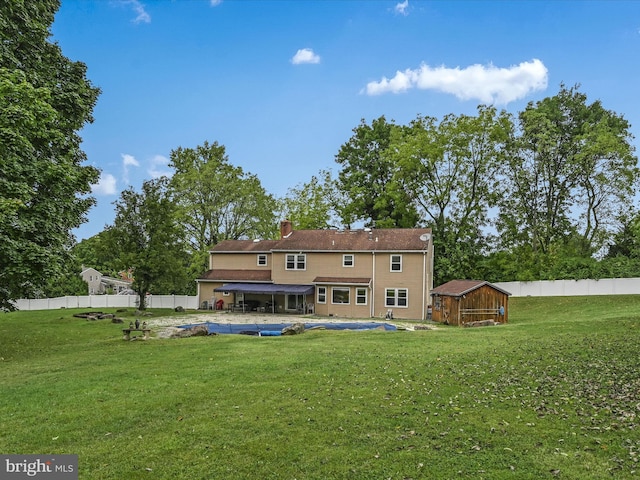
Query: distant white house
x=99, y=284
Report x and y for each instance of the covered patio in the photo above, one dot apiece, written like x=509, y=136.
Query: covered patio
x=269, y=297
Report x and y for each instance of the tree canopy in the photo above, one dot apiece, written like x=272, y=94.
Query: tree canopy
x=218, y=200
x=148, y=239
x=45, y=99
x=508, y=197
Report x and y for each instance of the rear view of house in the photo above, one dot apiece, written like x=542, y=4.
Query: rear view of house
x=346, y=273
x=464, y=301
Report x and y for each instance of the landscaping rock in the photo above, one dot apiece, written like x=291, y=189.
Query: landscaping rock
x=295, y=329
x=195, y=331
x=179, y=309
x=117, y=320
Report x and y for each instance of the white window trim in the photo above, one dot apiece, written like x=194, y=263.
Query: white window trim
x=395, y=297
x=392, y=263
x=344, y=259
x=325, y=295
x=366, y=296
x=343, y=289
x=295, y=261
x=262, y=255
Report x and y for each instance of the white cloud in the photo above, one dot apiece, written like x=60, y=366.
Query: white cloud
x=138, y=8
x=401, y=8
x=215, y=3
x=159, y=167
x=489, y=84
x=106, y=185
x=128, y=161
x=305, y=55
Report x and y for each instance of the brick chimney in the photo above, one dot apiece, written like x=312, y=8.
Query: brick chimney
x=285, y=228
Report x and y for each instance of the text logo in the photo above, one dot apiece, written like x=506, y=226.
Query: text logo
x=44, y=467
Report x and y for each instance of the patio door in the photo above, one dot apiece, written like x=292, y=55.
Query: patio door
x=294, y=302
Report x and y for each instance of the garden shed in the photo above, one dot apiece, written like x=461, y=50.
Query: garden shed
x=463, y=301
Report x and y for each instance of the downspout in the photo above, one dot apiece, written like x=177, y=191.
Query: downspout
x=372, y=309
x=424, y=284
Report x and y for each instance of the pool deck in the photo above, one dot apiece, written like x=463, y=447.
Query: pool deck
x=165, y=326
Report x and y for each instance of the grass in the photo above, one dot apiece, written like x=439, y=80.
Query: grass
x=554, y=394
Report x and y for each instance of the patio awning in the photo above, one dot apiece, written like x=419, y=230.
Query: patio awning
x=266, y=288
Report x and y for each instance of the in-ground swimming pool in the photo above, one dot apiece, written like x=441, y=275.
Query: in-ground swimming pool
x=273, y=329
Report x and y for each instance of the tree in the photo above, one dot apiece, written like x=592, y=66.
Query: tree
x=365, y=179
x=218, y=201
x=312, y=205
x=148, y=239
x=95, y=252
x=570, y=168
x=45, y=99
x=451, y=170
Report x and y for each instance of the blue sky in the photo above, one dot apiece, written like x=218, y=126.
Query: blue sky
x=282, y=83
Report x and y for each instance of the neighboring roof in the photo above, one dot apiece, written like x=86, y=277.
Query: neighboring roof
x=115, y=281
x=392, y=239
x=457, y=288
x=343, y=280
x=266, y=288
x=221, y=275
x=89, y=269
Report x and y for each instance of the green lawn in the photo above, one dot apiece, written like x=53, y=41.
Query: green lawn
x=554, y=394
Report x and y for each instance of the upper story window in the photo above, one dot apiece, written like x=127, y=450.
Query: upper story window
x=262, y=260
x=396, y=263
x=347, y=260
x=296, y=261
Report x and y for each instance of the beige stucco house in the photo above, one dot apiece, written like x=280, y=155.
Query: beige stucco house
x=345, y=273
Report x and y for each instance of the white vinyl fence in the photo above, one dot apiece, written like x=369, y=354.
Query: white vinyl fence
x=107, y=301
x=545, y=288
x=567, y=288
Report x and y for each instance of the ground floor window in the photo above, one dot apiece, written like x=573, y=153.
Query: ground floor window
x=396, y=297
x=340, y=295
x=322, y=294
x=361, y=296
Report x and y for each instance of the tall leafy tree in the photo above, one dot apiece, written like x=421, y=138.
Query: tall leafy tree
x=365, y=179
x=45, y=99
x=569, y=169
x=451, y=171
x=218, y=200
x=148, y=238
x=312, y=205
